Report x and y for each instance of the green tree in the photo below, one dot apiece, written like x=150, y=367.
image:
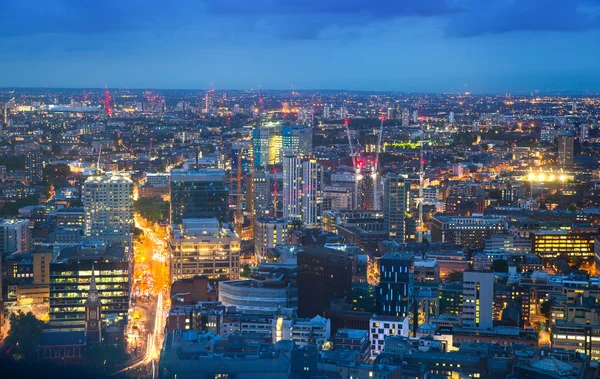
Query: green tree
x=455, y=276
x=24, y=336
x=545, y=308
x=500, y=265
x=152, y=209
x=12, y=208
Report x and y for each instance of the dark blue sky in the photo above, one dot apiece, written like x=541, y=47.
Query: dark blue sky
x=401, y=45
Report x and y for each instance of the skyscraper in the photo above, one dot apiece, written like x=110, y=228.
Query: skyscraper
x=271, y=140
x=323, y=275
x=395, y=206
x=478, y=299
x=395, y=292
x=565, y=150
x=108, y=204
x=312, y=193
x=199, y=193
x=302, y=189
x=292, y=187
x=34, y=166
x=326, y=111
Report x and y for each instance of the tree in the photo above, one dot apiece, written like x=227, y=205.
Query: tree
x=545, y=308
x=152, y=209
x=24, y=336
x=455, y=276
x=500, y=265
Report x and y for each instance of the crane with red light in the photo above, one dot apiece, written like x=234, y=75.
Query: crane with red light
x=107, y=101
x=365, y=168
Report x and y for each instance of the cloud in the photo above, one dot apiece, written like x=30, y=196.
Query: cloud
x=290, y=19
x=502, y=16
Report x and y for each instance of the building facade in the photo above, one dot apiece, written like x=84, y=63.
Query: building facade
x=199, y=193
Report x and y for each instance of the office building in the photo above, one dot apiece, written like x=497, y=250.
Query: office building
x=15, y=237
x=259, y=297
x=202, y=247
x=108, y=204
x=199, y=193
x=34, y=166
x=266, y=145
x=395, y=206
x=395, y=291
x=561, y=244
x=508, y=243
x=263, y=193
x=565, y=151
x=296, y=139
x=268, y=233
x=469, y=231
x=478, y=299
x=70, y=274
x=323, y=275
x=302, y=190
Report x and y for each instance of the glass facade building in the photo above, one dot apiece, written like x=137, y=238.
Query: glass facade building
x=199, y=193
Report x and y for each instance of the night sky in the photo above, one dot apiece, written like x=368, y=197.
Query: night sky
x=491, y=46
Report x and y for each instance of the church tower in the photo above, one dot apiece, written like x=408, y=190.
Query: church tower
x=93, y=309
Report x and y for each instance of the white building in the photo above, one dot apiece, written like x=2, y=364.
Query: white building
x=382, y=326
x=303, y=332
x=16, y=236
x=478, y=299
x=108, y=203
x=302, y=189
x=269, y=232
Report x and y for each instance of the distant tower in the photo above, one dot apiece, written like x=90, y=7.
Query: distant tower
x=451, y=118
x=93, y=309
x=326, y=111
x=565, y=151
x=405, y=118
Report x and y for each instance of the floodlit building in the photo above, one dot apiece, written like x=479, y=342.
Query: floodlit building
x=202, y=247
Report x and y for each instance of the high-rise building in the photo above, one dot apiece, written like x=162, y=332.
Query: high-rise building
x=302, y=189
x=199, y=193
x=451, y=117
x=202, y=247
x=405, y=118
x=263, y=193
x=390, y=113
x=271, y=140
x=478, y=299
x=292, y=187
x=395, y=206
x=312, y=194
x=415, y=116
x=396, y=286
x=565, y=151
x=323, y=275
x=266, y=144
x=326, y=111
x=268, y=233
x=34, y=166
x=15, y=236
x=296, y=139
x=584, y=132
x=343, y=112
x=108, y=204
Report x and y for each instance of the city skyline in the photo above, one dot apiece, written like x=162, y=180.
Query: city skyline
x=425, y=46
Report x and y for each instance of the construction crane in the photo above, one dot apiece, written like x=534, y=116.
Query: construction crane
x=421, y=183
x=107, y=101
x=239, y=221
x=363, y=167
